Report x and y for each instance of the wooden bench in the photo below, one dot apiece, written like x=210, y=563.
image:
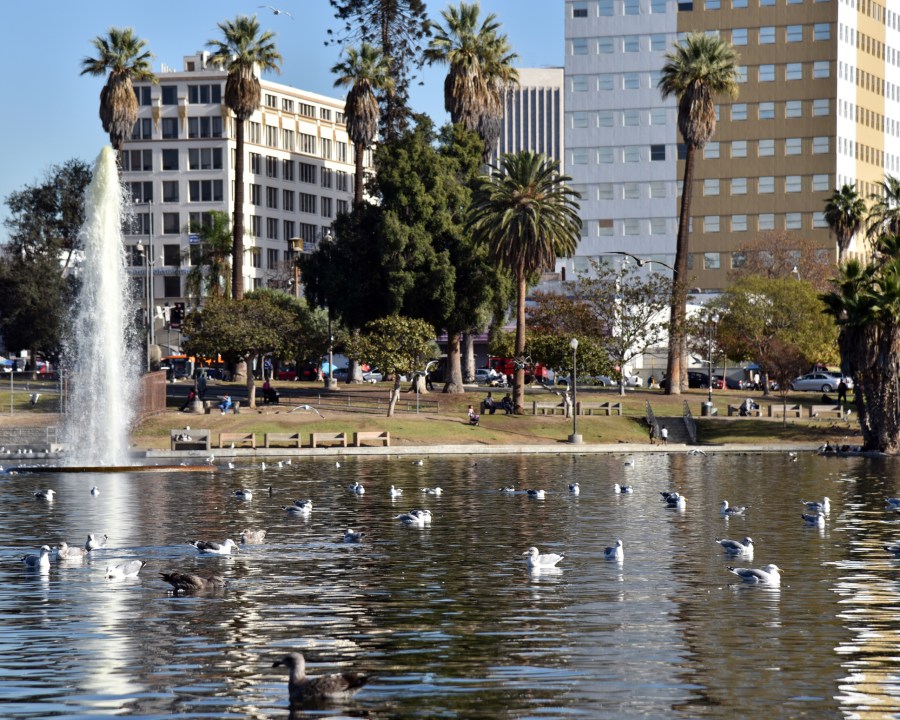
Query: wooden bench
x=736, y=410
x=548, y=408
x=785, y=410
x=604, y=408
x=322, y=437
x=382, y=437
x=210, y=406
x=829, y=410
x=189, y=439
x=235, y=439
x=289, y=439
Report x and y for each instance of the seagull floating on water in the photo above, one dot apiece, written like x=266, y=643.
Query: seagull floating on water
x=629, y=462
x=92, y=542
x=541, y=561
x=816, y=506
x=95, y=491
x=674, y=500
x=189, y=583
x=432, y=490
x=38, y=562
x=574, y=488
x=396, y=492
x=253, y=537
x=509, y=489
x=210, y=547
x=616, y=552
x=356, y=488
x=351, y=536
x=892, y=503
x=817, y=520
x=416, y=518
x=769, y=575
x=124, y=570
x=303, y=689
x=45, y=494
x=731, y=511
x=737, y=548
x=894, y=549
x=623, y=489
x=64, y=552
x=244, y=494
x=536, y=494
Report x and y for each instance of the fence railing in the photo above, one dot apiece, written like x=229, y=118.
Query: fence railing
x=371, y=402
x=689, y=423
x=652, y=422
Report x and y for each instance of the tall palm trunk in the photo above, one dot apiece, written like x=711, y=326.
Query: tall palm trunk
x=454, y=381
x=358, y=180
x=519, y=380
x=676, y=370
x=237, y=260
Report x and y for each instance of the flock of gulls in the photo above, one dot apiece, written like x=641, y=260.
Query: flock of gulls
x=310, y=690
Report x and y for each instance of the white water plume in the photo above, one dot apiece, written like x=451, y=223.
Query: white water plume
x=103, y=369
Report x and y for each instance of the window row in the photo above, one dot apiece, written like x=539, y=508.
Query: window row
x=765, y=147
x=197, y=191
x=608, y=8
x=868, y=44
x=867, y=154
x=609, y=154
x=819, y=107
x=289, y=201
x=634, y=117
x=609, y=44
x=172, y=128
x=765, y=185
x=772, y=34
x=688, y=5
x=764, y=221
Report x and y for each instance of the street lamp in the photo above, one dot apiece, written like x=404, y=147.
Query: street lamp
x=148, y=259
x=574, y=438
x=296, y=249
x=711, y=333
x=330, y=384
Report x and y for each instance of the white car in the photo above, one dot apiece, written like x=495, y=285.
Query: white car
x=817, y=381
x=483, y=376
x=634, y=381
x=373, y=376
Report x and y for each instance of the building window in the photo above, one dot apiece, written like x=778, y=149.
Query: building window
x=255, y=226
x=606, y=8
x=170, y=191
x=580, y=119
x=656, y=6
x=793, y=184
x=256, y=163
x=578, y=156
x=766, y=221
x=143, y=95
x=579, y=46
x=766, y=110
x=631, y=118
x=171, y=286
x=307, y=144
x=137, y=160
x=271, y=167
x=821, y=183
x=170, y=159
x=820, y=145
x=327, y=175
x=711, y=224
x=631, y=154
x=605, y=155
x=169, y=94
x=205, y=158
x=685, y=5
x=658, y=42
x=767, y=73
x=766, y=185
x=308, y=173
x=738, y=3
x=658, y=189
x=580, y=9
x=606, y=118
x=343, y=181
x=255, y=194
x=171, y=223
x=738, y=259
x=272, y=198
x=738, y=148
x=287, y=200
x=793, y=221
x=605, y=191
x=740, y=74
x=739, y=111
x=765, y=148
x=793, y=71
x=793, y=109
x=631, y=226
x=255, y=132
x=711, y=261
x=822, y=31
x=711, y=151
x=821, y=69
x=205, y=190
x=579, y=83
x=657, y=153
x=169, y=128
x=739, y=36
x=632, y=43
x=739, y=186
x=821, y=107
x=738, y=223
x=767, y=35
x=326, y=206
x=307, y=203
x=631, y=81
x=793, y=33
x=793, y=146
x=326, y=148
x=713, y=4
x=657, y=116
x=657, y=226
x=631, y=191
x=818, y=220
x=605, y=226
x=142, y=130
x=287, y=169
x=632, y=7
x=711, y=186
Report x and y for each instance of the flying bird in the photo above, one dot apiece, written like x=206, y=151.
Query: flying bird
x=276, y=11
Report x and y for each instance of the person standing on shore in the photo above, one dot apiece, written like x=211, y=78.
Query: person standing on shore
x=664, y=434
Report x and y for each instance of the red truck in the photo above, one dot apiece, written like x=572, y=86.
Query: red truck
x=507, y=367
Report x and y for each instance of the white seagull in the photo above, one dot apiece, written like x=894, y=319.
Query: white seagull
x=38, y=562
x=616, y=552
x=124, y=570
x=432, y=491
x=575, y=488
x=64, y=552
x=541, y=561
x=769, y=575
x=209, y=547
x=536, y=494
x=92, y=543
x=45, y=494
x=300, y=507
x=623, y=489
x=277, y=11
x=243, y=494
x=817, y=520
x=816, y=506
x=356, y=488
x=731, y=511
x=396, y=492
x=95, y=491
x=737, y=548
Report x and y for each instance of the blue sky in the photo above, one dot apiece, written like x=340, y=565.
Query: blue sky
x=51, y=114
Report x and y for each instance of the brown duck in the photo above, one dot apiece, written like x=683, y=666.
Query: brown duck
x=187, y=583
x=310, y=690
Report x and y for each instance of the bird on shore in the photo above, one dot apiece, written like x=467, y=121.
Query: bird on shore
x=737, y=548
x=615, y=552
x=93, y=542
x=210, y=547
x=537, y=560
x=65, y=552
x=124, y=570
x=187, y=583
x=253, y=537
x=823, y=506
x=769, y=575
x=817, y=520
x=304, y=690
x=45, y=494
x=38, y=562
x=732, y=511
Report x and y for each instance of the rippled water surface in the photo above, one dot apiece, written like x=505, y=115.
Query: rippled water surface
x=446, y=619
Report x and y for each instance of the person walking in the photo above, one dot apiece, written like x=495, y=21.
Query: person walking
x=652, y=434
x=664, y=434
x=842, y=391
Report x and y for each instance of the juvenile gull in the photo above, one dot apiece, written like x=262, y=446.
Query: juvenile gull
x=731, y=511
x=38, y=562
x=64, y=552
x=817, y=520
x=816, y=506
x=209, y=547
x=541, y=561
x=351, y=536
x=124, y=570
x=737, y=548
x=188, y=583
x=304, y=690
x=770, y=574
x=45, y=494
x=92, y=542
x=253, y=537
x=616, y=552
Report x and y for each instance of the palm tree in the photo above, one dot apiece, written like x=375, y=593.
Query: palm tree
x=480, y=66
x=844, y=212
x=699, y=68
x=211, y=273
x=884, y=216
x=364, y=71
x=527, y=216
x=244, y=52
x=121, y=54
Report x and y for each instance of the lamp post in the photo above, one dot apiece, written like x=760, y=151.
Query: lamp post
x=147, y=255
x=574, y=438
x=330, y=384
x=711, y=333
x=296, y=249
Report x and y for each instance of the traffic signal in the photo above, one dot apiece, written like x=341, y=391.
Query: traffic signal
x=177, y=316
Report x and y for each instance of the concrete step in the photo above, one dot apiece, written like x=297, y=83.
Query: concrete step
x=678, y=434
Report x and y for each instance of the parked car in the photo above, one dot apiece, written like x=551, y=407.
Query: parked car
x=817, y=381
x=341, y=374
x=633, y=381
x=373, y=376
x=730, y=382
x=483, y=376
x=285, y=374
x=837, y=376
x=701, y=380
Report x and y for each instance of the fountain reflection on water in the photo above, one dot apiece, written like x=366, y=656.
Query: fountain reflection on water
x=102, y=363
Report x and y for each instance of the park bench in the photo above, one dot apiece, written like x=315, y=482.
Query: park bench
x=736, y=410
x=539, y=408
x=604, y=408
x=785, y=410
x=235, y=439
x=210, y=406
x=323, y=437
x=189, y=439
x=289, y=439
x=382, y=437
x=826, y=410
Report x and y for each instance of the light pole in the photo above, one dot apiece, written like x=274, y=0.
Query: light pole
x=711, y=333
x=147, y=255
x=574, y=438
x=330, y=383
x=296, y=249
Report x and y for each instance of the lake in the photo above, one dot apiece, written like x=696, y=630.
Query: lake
x=447, y=619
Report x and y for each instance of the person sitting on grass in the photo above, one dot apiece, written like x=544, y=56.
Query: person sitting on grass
x=473, y=416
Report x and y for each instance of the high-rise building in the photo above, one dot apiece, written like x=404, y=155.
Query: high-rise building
x=533, y=114
x=816, y=109
x=179, y=166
